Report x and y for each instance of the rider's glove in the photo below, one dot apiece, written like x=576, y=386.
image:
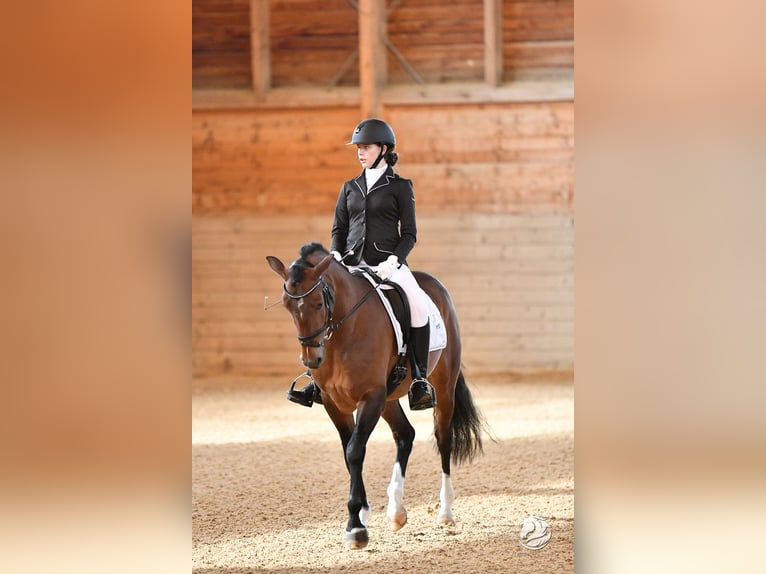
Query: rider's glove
x=387, y=268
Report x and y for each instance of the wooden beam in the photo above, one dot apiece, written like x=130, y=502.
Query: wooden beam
x=493, y=42
x=260, y=47
x=372, y=56
x=402, y=95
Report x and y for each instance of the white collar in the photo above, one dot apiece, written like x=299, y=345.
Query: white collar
x=372, y=175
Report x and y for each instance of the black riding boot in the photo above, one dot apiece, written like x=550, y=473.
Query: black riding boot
x=306, y=396
x=422, y=395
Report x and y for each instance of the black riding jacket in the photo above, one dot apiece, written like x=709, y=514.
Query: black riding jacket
x=375, y=223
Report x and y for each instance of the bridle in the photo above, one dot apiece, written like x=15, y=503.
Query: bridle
x=328, y=328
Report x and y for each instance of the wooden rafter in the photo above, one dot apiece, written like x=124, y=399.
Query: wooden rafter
x=372, y=55
x=260, y=48
x=493, y=42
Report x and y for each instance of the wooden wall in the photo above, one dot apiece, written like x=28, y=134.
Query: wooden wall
x=510, y=275
x=484, y=158
x=269, y=161
x=493, y=169
x=221, y=44
x=312, y=42
x=493, y=183
x=538, y=39
x=443, y=42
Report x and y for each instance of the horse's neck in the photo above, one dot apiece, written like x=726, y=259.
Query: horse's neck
x=349, y=290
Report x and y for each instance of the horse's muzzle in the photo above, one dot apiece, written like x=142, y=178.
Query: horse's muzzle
x=312, y=357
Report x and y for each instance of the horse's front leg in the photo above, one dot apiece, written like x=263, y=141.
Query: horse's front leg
x=367, y=416
x=404, y=435
x=345, y=425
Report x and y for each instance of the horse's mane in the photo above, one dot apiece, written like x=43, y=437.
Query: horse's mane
x=299, y=266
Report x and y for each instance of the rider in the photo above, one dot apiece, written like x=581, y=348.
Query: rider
x=375, y=226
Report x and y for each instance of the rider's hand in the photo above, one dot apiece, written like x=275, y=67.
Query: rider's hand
x=387, y=268
x=338, y=256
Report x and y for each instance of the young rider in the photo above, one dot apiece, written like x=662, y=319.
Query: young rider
x=374, y=225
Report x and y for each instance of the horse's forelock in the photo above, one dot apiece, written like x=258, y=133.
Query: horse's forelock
x=311, y=248
x=298, y=267
x=297, y=271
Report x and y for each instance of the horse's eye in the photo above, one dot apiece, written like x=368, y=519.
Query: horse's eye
x=319, y=306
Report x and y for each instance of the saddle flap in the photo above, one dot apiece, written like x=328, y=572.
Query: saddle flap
x=437, y=331
x=400, y=305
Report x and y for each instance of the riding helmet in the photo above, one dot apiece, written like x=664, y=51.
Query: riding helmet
x=373, y=131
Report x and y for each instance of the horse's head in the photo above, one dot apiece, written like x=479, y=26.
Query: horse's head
x=309, y=299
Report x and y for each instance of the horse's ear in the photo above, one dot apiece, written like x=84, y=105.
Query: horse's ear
x=313, y=273
x=277, y=266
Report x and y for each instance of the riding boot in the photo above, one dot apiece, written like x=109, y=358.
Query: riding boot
x=421, y=395
x=306, y=396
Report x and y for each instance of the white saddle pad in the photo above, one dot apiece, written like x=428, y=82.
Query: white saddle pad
x=437, y=332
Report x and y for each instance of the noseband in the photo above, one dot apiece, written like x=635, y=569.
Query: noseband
x=328, y=328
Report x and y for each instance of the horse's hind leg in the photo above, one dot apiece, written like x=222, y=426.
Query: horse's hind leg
x=404, y=435
x=445, y=407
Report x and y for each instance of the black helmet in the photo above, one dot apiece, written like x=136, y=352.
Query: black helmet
x=371, y=131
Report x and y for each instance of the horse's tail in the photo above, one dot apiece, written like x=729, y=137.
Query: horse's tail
x=467, y=425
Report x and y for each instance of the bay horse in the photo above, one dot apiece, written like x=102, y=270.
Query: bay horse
x=348, y=344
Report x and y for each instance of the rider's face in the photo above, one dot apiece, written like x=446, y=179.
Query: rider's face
x=367, y=154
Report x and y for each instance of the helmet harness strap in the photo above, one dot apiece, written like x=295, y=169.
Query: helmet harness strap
x=380, y=157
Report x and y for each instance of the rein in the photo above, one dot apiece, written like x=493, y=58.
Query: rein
x=329, y=301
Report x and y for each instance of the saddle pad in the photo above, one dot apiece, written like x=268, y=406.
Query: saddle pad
x=437, y=332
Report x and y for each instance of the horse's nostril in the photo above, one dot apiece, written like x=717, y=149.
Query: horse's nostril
x=311, y=362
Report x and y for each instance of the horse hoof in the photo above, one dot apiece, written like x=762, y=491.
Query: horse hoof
x=357, y=538
x=397, y=521
x=445, y=520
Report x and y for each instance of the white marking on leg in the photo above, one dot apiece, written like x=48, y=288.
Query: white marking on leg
x=397, y=515
x=364, y=514
x=446, y=498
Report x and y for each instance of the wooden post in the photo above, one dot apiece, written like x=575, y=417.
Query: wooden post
x=372, y=56
x=260, y=48
x=493, y=42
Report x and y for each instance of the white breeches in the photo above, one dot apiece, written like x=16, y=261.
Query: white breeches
x=418, y=298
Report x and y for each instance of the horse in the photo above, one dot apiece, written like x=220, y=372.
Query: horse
x=350, y=360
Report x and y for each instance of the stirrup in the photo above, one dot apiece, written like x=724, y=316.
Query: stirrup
x=306, y=396
x=421, y=395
